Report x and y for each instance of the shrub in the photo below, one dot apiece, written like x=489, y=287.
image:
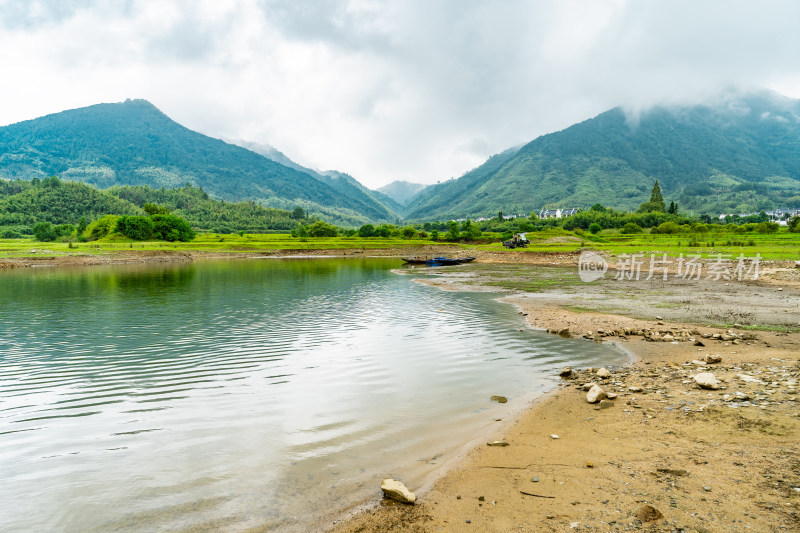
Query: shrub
x=794, y=224
x=135, y=227
x=10, y=233
x=367, y=230
x=64, y=231
x=667, y=228
x=594, y=228
x=101, y=227
x=767, y=227
x=322, y=229
x=631, y=227
x=44, y=231
x=172, y=228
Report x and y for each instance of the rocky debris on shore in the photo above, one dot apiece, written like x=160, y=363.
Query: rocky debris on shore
x=678, y=387
x=665, y=335
x=499, y=399
x=395, y=490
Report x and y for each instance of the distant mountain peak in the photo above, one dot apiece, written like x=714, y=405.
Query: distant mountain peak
x=401, y=191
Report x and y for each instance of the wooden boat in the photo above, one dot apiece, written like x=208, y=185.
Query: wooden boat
x=437, y=261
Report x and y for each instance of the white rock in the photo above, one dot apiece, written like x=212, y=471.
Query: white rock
x=748, y=379
x=603, y=373
x=706, y=380
x=554, y=436
x=595, y=394
x=395, y=490
x=667, y=338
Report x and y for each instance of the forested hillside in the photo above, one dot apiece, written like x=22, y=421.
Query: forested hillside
x=24, y=203
x=738, y=155
x=133, y=143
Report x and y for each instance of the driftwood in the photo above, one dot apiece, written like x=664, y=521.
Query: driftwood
x=536, y=495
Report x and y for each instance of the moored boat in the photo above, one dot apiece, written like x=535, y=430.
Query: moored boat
x=437, y=261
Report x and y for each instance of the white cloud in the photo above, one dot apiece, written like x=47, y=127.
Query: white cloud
x=400, y=89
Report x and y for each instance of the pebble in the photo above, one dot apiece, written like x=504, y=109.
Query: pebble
x=554, y=436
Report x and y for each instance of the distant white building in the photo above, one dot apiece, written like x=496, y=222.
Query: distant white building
x=559, y=213
x=774, y=215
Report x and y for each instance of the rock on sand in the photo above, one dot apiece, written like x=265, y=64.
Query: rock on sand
x=648, y=513
x=706, y=380
x=395, y=490
x=595, y=394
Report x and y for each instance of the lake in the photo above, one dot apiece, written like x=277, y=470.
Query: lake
x=246, y=394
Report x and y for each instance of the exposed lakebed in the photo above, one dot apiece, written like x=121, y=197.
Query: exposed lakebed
x=244, y=394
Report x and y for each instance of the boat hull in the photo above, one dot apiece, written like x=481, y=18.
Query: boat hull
x=437, y=261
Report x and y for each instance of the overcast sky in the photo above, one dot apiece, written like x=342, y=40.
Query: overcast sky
x=421, y=90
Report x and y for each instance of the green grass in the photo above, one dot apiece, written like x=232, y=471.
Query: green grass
x=206, y=242
x=781, y=245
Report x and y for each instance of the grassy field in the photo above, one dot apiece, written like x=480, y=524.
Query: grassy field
x=781, y=245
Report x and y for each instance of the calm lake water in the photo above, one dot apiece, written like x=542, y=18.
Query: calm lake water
x=233, y=395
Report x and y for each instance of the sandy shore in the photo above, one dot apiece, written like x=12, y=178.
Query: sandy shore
x=665, y=454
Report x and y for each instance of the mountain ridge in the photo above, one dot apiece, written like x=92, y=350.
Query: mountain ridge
x=134, y=143
x=740, y=155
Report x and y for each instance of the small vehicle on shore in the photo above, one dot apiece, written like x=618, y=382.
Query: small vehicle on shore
x=437, y=261
x=517, y=241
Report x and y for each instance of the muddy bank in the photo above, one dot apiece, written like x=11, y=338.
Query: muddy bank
x=43, y=257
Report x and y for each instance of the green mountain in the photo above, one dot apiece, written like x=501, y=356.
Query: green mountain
x=402, y=192
x=741, y=154
x=370, y=203
x=133, y=143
